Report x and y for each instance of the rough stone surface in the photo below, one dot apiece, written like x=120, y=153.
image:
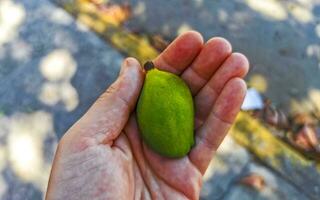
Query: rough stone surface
x=275, y=153
x=48, y=33
x=280, y=38
x=275, y=188
x=224, y=169
x=51, y=70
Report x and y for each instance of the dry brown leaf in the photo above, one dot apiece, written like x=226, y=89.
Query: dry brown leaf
x=283, y=122
x=97, y=1
x=302, y=142
x=303, y=118
x=311, y=135
x=306, y=138
x=271, y=116
x=159, y=42
x=115, y=14
x=254, y=180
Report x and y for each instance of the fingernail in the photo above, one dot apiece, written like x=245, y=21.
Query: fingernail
x=129, y=62
x=123, y=67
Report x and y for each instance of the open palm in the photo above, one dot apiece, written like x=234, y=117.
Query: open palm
x=103, y=157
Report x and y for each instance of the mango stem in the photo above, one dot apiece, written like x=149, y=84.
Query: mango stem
x=148, y=65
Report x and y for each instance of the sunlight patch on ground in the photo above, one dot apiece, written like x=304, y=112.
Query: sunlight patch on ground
x=311, y=103
x=302, y=106
x=313, y=50
x=140, y=8
x=69, y=96
x=20, y=50
x=306, y=2
x=317, y=29
x=25, y=155
x=228, y=147
x=60, y=16
x=270, y=8
x=301, y=14
x=216, y=163
x=258, y=82
x=215, y=166
x=165, y=29
x=12, y=16
x=50, y=93
x=184, y=27
x=232, y=153
x=280, y=10
x=26, y=136
x=3, y=186
x=229, y=152
x=2, y=52
x=58, y=67
x=3, y=158
x=314, y=95
x=198, y=3
x=222, y=15
x=81, y=26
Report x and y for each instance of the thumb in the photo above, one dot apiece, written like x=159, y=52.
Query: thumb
x=108, y=115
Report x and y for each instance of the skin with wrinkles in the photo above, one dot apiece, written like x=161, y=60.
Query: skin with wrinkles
x=102, y=155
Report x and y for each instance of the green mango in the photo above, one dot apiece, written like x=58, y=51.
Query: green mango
x=165, y=114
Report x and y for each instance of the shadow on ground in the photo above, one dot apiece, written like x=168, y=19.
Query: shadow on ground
x=52, y=69
x=280, y=38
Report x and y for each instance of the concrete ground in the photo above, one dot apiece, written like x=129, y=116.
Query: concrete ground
x=52, y=68
x=280, y=38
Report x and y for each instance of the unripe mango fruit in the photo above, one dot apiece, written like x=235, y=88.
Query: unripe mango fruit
x=165, y=114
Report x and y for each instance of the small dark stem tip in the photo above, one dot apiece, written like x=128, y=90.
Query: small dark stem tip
x=148, y=65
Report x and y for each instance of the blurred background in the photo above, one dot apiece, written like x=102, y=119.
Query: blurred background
x=57, y=56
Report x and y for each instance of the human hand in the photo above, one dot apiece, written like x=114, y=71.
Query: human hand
x=102, y=155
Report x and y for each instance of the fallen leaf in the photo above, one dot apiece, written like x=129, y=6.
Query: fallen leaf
x=303, y=118
x=306, y=138
x=275, y=117
x=114, y=14
x=311, y=135
x=283, y=122
x=253, y=180
x=97, y=1
x=271, y=115
x=159, y=42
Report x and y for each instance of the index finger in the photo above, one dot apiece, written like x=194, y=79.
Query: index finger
x=180, y=53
